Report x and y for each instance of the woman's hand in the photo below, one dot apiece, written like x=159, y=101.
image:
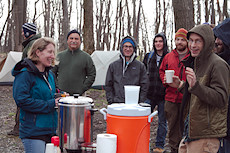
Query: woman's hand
x=190, y=76
x=56, y=101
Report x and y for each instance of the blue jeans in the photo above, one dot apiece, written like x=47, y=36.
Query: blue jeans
x=225, y=148
x=162, y=124
x=34, y=146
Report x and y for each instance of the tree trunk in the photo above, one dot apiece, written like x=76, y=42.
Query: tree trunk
x=183, y=14
x=206, y=11
x=225, y=8
x=19, y=16
x=47, y=18
x=158, y=18
x=198, y=12
x=213, y=21
x=88, y=34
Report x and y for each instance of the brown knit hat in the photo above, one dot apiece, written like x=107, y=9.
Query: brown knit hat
x=181, y=33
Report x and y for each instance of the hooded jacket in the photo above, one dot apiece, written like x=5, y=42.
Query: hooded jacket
x=222, y=31
x=35, y=97
x=207, y=99
x=156, y=89
x=121, y=73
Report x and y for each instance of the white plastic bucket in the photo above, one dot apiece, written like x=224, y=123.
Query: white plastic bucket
x=132, y=94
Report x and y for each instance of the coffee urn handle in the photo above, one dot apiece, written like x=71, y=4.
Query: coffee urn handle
x=104, y=112
x=152, y=115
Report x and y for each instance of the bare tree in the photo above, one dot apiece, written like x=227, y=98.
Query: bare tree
x=206, y=11
x=47, y=17
x=183, y=14
x=88, y=27
x=158, y=17
x=219, y=11
x=117, y=18
x=225, y=9
x=213, y=21
x=198, y=12
x=19, y=18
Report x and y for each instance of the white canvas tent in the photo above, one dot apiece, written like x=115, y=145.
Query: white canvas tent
x=101, y=60
x=5, y=74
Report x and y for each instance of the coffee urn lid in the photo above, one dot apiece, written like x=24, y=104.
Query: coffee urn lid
x=81, y=100
x=128, y=110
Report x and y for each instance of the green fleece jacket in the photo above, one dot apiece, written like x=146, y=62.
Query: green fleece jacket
x=28, y=43
x=75, y=71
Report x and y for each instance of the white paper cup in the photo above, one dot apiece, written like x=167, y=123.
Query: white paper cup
x=169, y=76
x=132, y=94
x=49, y=148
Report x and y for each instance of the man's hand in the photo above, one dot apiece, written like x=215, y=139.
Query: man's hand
x=190, y=76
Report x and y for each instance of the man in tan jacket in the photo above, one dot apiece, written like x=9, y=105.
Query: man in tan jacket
x=205, y=94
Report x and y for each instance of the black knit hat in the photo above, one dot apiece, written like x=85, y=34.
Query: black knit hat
x=29, y=29
x=74, y=31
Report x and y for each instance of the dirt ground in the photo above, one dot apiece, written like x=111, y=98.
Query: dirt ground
x=12, y=144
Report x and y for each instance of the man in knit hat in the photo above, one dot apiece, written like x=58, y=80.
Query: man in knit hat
x=173, y=98
x=29, y=31
x=75, y=70
x=126, y=71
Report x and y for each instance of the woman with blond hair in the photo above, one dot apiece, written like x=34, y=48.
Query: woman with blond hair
x=33, y=91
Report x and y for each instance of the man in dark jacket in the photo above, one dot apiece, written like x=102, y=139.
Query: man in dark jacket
x=29, y=31
x=206, y=92
x=29, y=35
x=126, y=71
x=75, y=70
x=156, y=92
x=222, y=33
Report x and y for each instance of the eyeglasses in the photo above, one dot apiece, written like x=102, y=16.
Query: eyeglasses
x=127, y=47
x=198, y=42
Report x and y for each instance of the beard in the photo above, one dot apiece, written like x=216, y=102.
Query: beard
x=181, y=48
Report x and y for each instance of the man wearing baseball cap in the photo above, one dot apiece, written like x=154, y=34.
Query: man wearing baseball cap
x=173, y=98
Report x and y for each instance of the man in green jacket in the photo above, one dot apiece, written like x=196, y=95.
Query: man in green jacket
x=75, y=70
x=29, y=35
x=206, y=91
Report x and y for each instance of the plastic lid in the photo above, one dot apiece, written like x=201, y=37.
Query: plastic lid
x=76, y=101
x=55, y=140
x=128, y=110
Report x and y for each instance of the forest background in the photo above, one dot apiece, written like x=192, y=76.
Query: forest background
x=103, y=23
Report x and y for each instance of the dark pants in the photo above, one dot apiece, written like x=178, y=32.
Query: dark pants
x=172, y=112
x=16, y=126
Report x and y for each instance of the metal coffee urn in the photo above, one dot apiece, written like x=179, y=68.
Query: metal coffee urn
x=74, y=122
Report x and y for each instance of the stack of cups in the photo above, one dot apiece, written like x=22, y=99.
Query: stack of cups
x=131, y=94
x=49, y=148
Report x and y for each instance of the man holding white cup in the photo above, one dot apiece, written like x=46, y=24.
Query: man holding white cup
x=173, y=62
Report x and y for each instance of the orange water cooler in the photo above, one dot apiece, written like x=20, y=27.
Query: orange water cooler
x=131, y=124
